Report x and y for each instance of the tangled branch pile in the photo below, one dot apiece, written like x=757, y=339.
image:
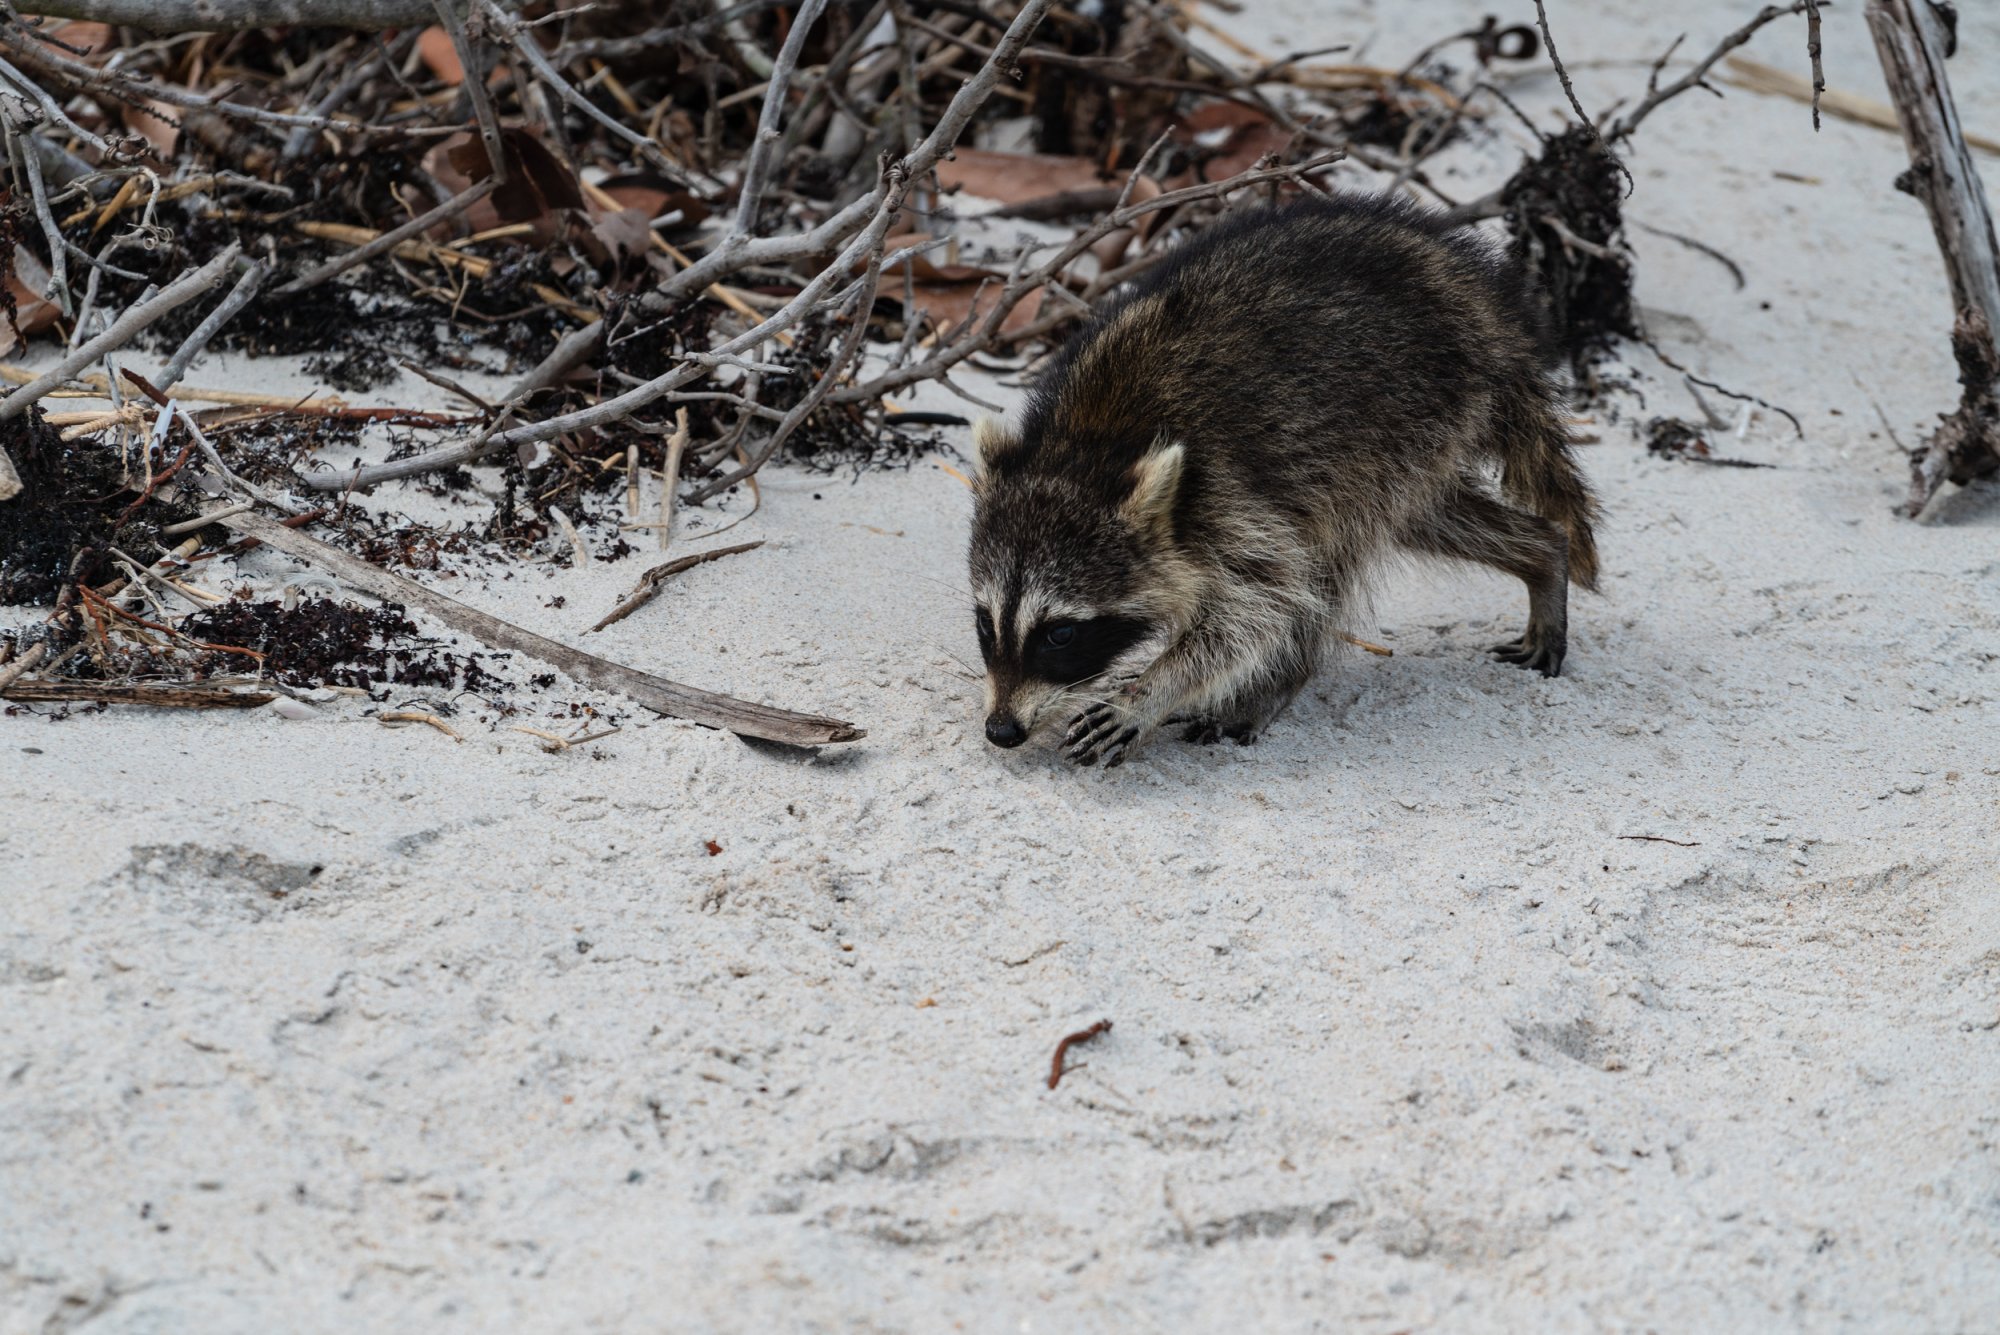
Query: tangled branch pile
x=693, y=236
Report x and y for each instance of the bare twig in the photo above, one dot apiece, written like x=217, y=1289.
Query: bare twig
x=1738, y=395
x=225, y=311
x=170, y=16
x=394, y=237
x=1549, y=45
x=1698, y=76
x=123, y=330
x=670, y=475
x=1069, y=1041
x=1812, y=54
x=474, y=86
x=655, y=579
x=758, y=166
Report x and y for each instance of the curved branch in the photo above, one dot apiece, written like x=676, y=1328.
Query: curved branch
x=235, y=15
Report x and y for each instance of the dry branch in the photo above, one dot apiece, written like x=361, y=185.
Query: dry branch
x=123, y=330
x=655, y=579
x=741, y=717
x=1698, y=76
x=169, y=16
x=1911, y=40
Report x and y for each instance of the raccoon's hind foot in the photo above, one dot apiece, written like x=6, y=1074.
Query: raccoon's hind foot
x=1540, y=649
x=1207, y=732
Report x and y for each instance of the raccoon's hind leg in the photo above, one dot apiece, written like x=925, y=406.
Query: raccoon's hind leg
x=1470, y=525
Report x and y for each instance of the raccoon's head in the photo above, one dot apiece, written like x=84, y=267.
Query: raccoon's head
x=1067, y=578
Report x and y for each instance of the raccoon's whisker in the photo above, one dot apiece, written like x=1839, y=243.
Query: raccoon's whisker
x=971, y=673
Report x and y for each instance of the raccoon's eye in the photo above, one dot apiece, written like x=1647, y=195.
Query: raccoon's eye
x=1060, y=637
x=982, y=622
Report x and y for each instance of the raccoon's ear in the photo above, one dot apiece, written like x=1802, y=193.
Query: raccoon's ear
x=1156, y=481
x=991, y=438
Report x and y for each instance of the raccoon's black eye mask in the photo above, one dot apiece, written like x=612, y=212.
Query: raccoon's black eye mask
x=1074, y=651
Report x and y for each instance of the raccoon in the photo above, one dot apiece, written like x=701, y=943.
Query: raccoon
x=1203, y=476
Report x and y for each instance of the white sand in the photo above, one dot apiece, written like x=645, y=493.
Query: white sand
x=1407, y=1034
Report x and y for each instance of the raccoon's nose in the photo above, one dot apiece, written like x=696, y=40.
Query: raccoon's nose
x=1005, y=730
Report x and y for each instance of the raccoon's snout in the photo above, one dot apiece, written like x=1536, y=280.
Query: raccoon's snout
x=1005, y=730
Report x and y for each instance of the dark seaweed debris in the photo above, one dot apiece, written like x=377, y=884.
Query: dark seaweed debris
x=321, y=642
x=1578, y=183
x=73, y=497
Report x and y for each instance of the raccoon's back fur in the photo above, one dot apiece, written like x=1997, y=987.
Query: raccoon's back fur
x=1210, y=466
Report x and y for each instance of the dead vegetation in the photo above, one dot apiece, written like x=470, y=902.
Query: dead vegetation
x=692, y=239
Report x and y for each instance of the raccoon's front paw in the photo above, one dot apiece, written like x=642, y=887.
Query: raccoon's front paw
x=1543, y=652
x=1101, y=730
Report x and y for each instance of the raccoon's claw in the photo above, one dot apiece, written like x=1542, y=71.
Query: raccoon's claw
x=1089, y=732
x=1532, y=651
x=1209, y=732
x=1101, y=730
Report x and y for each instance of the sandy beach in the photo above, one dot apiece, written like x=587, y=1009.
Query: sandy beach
x=1664, y=995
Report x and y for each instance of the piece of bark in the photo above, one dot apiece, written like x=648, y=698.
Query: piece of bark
x=1911, y=40
x=138, y=693
x=741, y=717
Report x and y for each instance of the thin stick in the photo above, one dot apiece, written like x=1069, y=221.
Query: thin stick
x=394, y=237
x=850, y=345
x=29, y=660
x=123, y=330
x=1549, y=45
x=418, y=716
x=20, y=141
x=1812, y=54
x=670, y=475
x=193, y=525
x=652, y=581
x=239, y=297
x=758, y=166
x=474, y=85
x=1696, y=77
x=656, y=693
x=523, y=42
x=1069, y=1041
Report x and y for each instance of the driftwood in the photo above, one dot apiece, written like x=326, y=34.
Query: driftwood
x=160, y=694
x=741, y=717
x=1911, y=38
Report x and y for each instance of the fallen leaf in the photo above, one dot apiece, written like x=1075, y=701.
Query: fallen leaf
x=925, y=266
x=82, y=37
x=656, y=199
x=440, y=56
x=950, y=304
x=1232, y=135
x=712, y=847
x=1013, y=178
x=26, y=281
x=156, y=123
